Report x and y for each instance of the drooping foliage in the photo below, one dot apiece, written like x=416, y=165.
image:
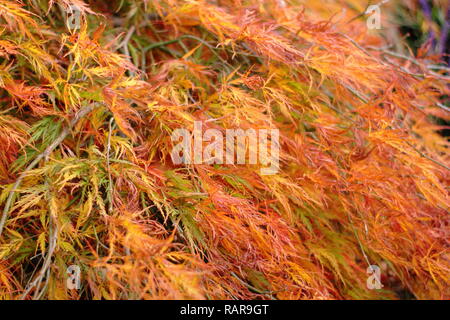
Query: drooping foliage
x=86, y=177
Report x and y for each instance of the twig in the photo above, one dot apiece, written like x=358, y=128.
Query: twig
x=108, y=150
x=357, y=237
x=124, y=45
x=414, y=61
x=427, y=157
x=397, y=55
x=443, y=107
x=53, y=237
x=44, y=155
x=435, y=67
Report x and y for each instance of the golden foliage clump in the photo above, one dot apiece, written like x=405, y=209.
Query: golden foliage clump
x=91, y=91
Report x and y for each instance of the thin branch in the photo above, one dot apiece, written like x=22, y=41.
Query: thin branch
x=53, y=238
x=108, y=151
x=443, y=107
x=427, y=157
x=44, y=155
x=124, y=46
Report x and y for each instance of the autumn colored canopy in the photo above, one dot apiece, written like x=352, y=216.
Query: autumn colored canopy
x=91, y=92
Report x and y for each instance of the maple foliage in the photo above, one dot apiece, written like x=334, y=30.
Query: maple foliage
x=86, y=177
